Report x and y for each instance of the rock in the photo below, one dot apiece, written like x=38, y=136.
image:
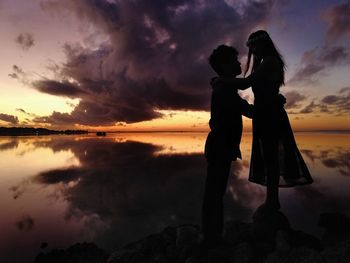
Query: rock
x=169, y=234
x=78, y=253
x=192, y=259
x=338, y=254
x=153, y=244
x=283, y=244
x=301, y=239
x=236, y=232
x=337, y=228
x=243, y=253
x=296, y=255
x=171, y=252
x=160, y=258
x=266, y=224
x=187, y=236
x=220, y=255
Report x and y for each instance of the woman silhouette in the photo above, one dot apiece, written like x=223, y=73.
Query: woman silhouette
x=275, y=159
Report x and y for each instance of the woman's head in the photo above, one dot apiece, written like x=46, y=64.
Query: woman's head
x=261, y=45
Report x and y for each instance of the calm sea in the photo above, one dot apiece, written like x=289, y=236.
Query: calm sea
x=119, y=188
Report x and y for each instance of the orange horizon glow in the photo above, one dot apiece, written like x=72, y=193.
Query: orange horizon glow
x=197, y=121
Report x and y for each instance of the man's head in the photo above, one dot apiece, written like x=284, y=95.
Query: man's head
x=224, y=61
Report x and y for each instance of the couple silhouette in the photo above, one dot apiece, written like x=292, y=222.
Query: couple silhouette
x=275, y=159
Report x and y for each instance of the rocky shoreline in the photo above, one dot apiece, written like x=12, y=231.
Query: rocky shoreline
x=267, y=239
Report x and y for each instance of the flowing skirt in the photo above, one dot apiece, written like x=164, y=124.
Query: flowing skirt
x=274, y=150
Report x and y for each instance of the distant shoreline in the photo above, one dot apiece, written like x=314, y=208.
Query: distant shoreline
x=22, y=131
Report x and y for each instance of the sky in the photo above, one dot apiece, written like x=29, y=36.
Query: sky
x=142, y=65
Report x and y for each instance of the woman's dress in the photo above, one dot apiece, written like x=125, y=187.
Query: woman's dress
x=274, y=148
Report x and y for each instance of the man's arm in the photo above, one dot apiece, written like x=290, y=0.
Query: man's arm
x=237, y=83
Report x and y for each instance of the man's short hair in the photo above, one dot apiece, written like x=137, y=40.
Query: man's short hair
x=221, y=55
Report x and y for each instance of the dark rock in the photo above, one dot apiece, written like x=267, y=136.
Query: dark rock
x=302, y=255
x=78, y=253
x=169, y=234
x=338, y=254
x=236, y=232
x=171, y=252
x=243, y=253
x=301, y=239
x=296, y=255
x=220, y=255
x=187, y=236
x=266, y=224
x=337, y=228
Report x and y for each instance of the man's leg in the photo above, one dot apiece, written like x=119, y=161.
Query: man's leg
x=212, y=210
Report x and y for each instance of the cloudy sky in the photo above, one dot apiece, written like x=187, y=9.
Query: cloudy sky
x=142, y=65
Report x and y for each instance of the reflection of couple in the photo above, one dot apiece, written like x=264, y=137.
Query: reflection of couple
x=275, y=159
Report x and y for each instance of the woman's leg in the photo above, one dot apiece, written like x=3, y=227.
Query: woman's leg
x=270, y=150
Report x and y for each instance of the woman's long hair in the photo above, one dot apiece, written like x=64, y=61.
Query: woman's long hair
x=261, y=37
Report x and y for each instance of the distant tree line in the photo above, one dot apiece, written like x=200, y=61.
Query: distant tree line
x=21, y=131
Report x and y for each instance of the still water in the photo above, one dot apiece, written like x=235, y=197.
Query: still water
x=119, y=188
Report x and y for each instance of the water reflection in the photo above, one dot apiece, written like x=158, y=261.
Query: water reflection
x=65, y=189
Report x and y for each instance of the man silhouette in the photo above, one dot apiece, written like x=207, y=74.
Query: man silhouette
x=222, y=144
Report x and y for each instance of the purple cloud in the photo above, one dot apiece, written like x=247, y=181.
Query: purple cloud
x=340, y=103
x=9, y=118
x=155, y=57
x=293, y=99
x=309, y=108
x=25, y=40
x=316, y=61
x=338, y=18
x=57, y=88
x=337, y=104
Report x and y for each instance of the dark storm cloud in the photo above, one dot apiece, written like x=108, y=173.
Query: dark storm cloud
x=316, y=61
x=338, y=18
x=155, y=56
x=25, y=40
x=293, y=99
x=9, y=118
x=65, y=88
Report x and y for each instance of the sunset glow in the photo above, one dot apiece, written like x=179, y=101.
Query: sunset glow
x=83, y=65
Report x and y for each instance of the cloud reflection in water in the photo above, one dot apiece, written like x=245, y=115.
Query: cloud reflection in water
x=124, y=187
